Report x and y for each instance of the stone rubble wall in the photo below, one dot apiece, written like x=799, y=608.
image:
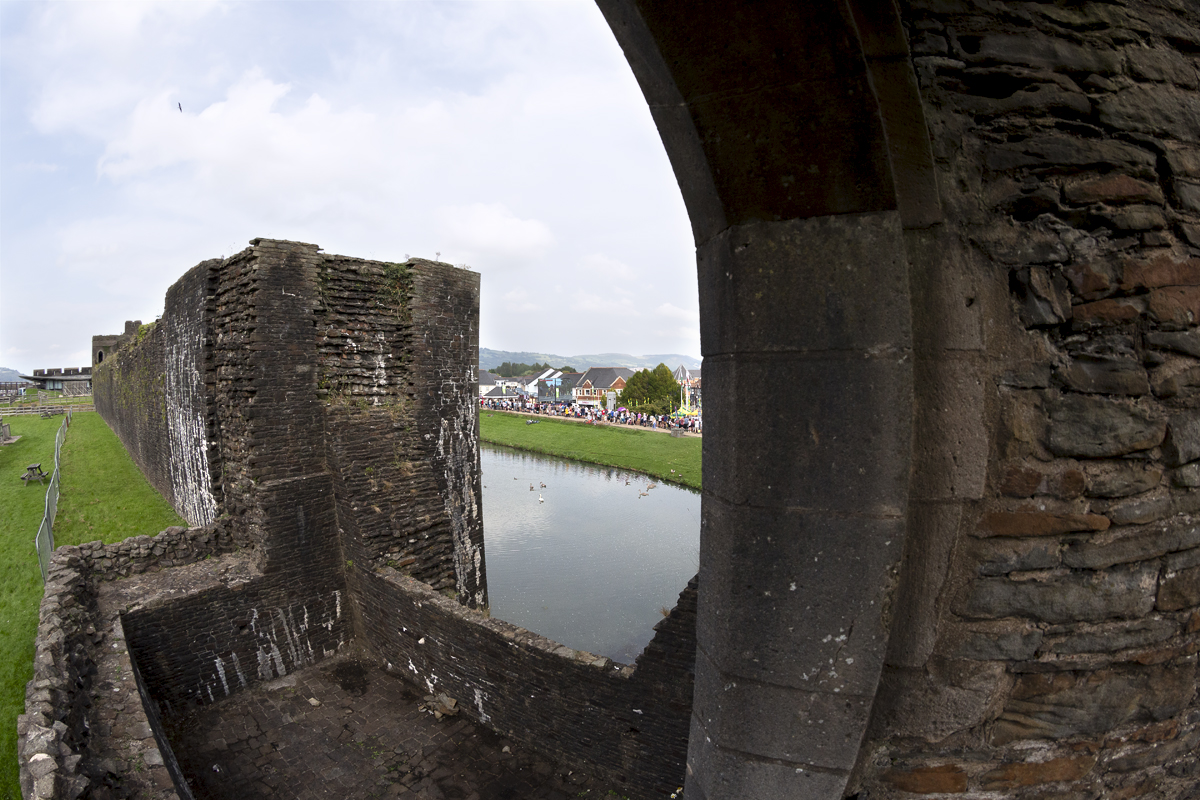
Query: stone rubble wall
x=629, y=723
x=445, y=308
x=278, y=493
x=299, y=370
x=381, y=384
x=219, y=640
x=1046, y=637
x=153, y=394
x=67, y=747
x=232, y=385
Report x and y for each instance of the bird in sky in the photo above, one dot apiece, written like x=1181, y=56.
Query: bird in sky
x=181, y=108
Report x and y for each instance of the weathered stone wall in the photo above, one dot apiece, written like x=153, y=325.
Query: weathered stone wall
x=445, y=308
x=1021, y=177
x=103, y=706
x=52, y=734
x=233, y=387
x=152, y=391
x=394, y=342
x=196, y=650
x=82, y=728
x=211, y=406
x=1046, y=633
x=298, y=376
x=629, y=723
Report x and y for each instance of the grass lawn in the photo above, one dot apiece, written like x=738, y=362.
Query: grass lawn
x=650, y=452
x=21, y=509
x=102, y=496
x=103, y=493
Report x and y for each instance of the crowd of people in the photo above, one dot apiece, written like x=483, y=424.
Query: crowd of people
x=594, y=414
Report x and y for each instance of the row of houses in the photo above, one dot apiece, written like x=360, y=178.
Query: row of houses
x=554, y=386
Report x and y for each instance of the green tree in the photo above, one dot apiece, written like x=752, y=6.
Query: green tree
x=513, y=369
x=652, y=391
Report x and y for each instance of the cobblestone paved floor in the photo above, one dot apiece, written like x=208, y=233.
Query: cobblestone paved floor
x=367, y=738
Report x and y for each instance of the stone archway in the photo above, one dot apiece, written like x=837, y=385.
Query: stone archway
x=901, y=322
x=787, y=172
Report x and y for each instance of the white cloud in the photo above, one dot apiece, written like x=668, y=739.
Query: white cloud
x=509, y=136
x=671, y=311
x=590, y=302
x=599, y=265
x=518, y=301
x=484, y=230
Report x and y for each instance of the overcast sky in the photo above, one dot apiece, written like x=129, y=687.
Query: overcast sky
x=511, y=137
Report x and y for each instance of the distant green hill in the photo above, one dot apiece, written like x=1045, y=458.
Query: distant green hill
x=490, y=359
x=9, y=374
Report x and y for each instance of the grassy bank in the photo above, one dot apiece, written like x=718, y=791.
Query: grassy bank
x=103, y=495
x=651, y=452
x=21, y=509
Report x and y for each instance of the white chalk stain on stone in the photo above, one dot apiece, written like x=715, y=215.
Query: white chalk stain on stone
x=221, y=672
x=380, y=373
x=483, y=716
x=290, y=639
x=187, y=431
x=458, y=447
x=264, y=664
x=277, y=658
x=237, y=667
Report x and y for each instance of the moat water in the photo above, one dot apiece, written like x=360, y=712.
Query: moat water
x=591, y=560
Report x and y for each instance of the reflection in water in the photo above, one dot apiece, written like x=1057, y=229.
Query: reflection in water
x=590, y=559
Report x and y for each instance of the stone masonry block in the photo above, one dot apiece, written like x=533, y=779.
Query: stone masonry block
x=1057, y=705
x=1157, y=109
x=927, y=550
x=1182, y=443
x=820, y=728
x=1179, y=590
x=943, y=779
x=1038, y=523
x=846, y=426
x=798, y=623
x=719, y=773
x=1121, y=593
x=1094, y=427
x=1035, y=773
x=835, y=283
x=950, y=435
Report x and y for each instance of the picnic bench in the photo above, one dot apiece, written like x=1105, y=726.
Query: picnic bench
x=34, y=473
